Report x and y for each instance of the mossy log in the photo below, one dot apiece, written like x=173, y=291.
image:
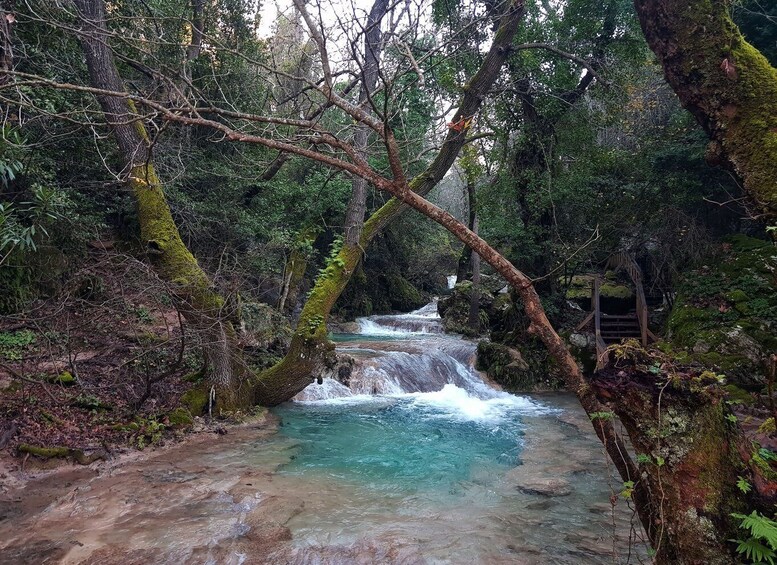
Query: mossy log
x=727, y=84
x=63, y=452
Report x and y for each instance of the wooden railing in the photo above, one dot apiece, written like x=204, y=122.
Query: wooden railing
x=601, y=347
x=627, y=262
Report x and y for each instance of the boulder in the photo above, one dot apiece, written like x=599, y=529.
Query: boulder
x=263, y=327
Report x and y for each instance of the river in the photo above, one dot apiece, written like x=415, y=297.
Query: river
x=416, y=460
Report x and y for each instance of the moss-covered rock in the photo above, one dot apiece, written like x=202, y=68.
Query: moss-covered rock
x=402, y=295
x=65, y=378
x=725, y=315
x=263, y=327
x=523, y=368
x=379, y=293
x=616, y=297
x=180, y=418
x=195, y=400
x=454, y=309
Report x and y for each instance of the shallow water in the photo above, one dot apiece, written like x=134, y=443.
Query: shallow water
x=436, y=468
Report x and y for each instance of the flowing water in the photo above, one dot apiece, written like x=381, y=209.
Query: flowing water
x=415, y=459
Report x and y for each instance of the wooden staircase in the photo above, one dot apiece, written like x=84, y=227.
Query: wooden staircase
x=613, y=329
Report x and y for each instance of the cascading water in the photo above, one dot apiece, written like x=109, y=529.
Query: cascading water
x=416, y=434
x=405, y=354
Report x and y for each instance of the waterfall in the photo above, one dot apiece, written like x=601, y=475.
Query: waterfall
x=405, y=354
x=425, y=320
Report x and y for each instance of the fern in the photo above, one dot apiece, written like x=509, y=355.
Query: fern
x=744, y=485
x=760, y=527
x=755, y=551
x=767, y=454
x=761, y=545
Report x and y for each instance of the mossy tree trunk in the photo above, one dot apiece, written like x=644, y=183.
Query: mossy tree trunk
x=727, y=84
x=194, y=293
x=310, y=351
x=691, y=455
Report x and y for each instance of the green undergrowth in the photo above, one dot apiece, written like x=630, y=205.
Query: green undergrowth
x=725, y=315
x=14, y=344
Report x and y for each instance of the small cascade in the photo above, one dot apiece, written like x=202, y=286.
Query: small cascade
x=422, y=361
x=394, y=372
x=425, y=320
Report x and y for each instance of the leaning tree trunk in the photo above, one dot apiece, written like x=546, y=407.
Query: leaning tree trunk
x=727, y=84
x=310, y=350
x=173, y=262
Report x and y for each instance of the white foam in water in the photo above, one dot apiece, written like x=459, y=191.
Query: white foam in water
x=425, y=320
x=368, y=327
x=455, y=401
x=329, y=388
x=450, y=402
x=451, y=281
x=397, y=376
x=428, y=311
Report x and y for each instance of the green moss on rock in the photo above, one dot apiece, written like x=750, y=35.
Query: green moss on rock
x=725, y=315
x=180, y=418
x=195, y=400
x=518, y=369
x=65, y=378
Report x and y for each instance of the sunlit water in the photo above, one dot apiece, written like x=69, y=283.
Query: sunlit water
x=417, y=460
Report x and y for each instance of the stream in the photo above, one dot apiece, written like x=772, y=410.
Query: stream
x=416, y=460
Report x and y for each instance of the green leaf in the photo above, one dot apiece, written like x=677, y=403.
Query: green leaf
x=744, y=485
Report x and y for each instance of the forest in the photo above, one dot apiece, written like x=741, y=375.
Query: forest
x=376, y=281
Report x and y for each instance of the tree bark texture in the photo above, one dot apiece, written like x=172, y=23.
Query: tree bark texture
x=195, y=296
x=691, y=459
x=198, y=26
x=295, y=269
x=727, y=84
x=357, y=205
